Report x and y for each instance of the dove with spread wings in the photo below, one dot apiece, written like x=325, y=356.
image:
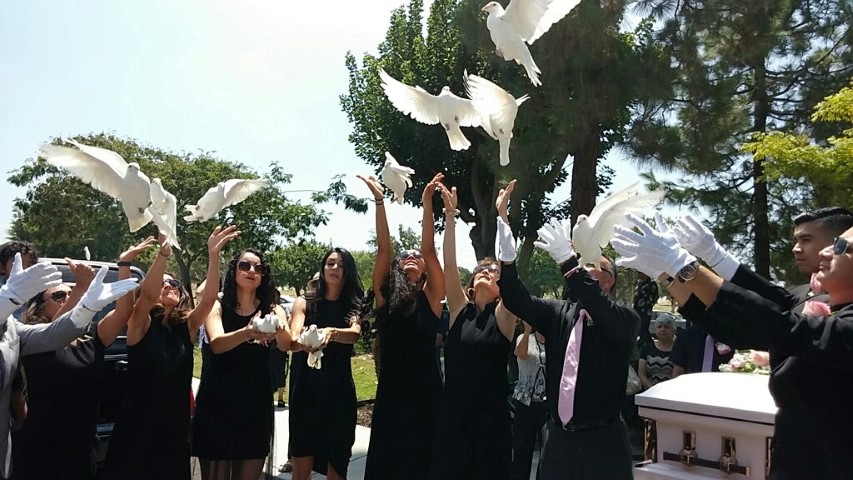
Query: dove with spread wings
x=450, y=111
x=498, y=109
x=523, y=21
x=396, y=177
x=591, y=233
x=224, y=194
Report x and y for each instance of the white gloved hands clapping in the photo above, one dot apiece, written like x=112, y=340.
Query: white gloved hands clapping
x=98, y=296
x=699, y=241
x=24, y=284
x=554, y=239
x=651, y=251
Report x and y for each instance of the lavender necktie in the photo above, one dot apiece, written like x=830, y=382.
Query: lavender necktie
x=566, y=400
x=708, y=358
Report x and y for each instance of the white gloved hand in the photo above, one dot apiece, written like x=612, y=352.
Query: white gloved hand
x=652, y=251
x=554, y=239
x=506, y=242
x=98, y=296
x=25, y=284
x=698, y=240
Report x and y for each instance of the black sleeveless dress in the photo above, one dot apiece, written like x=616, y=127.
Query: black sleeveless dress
x=233, y=410
x=323, y=402
x=150, y=438
x=57, y=440
x=407, y=397
x=475, y=432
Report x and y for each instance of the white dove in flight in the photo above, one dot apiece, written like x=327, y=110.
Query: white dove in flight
x=523, y=21
x=224, y=194
x=312, y=338
x=86, y=254
x=107, y=172
x=396, y=177
x=164, y=208
x=498, y=108
x=590, y=234
x=447, y=109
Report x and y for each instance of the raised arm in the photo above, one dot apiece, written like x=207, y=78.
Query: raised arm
x=112, y=324
x=434, y=287
x=83, y=276
x=456, y=298
x=382, y=267
x=506, y=319
x=523, y=339
x=149, y=294
x=215, y=243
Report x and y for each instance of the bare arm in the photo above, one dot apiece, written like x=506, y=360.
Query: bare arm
x=523, y=340
x=642, y=372
x=456, y=298
x=215, y=243
x=382, y=267
x=434, y=287
x=149, y=295
x=111, y=325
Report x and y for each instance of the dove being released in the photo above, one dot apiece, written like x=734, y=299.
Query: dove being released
x=591, y=233
x=107, y=172
x=266, y=324
x=523, y=21
x=224, y=194
x=164, y=209
x=312, y=338
x=447, y=109
x=396, y=177
x=498, y=108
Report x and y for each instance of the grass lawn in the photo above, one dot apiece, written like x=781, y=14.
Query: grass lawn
x=363, y=373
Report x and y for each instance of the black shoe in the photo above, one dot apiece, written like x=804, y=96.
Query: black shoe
x=281, y=404
x=286, y=467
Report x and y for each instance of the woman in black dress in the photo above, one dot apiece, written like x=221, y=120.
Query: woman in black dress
x=323, y=403
x=233, y=422
x=408, y=291
x=64, y=386
x=474, y=433
x=150, y=438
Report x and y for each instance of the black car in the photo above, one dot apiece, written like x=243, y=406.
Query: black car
x=114, y=382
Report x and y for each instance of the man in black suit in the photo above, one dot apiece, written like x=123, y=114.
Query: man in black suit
x=813, y=231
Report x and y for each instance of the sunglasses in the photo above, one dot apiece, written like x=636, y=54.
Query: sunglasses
x=416, y=254
x=491, y=268
x=245, y=266
x=59, y=296
x=840, y=246
x=172, y=283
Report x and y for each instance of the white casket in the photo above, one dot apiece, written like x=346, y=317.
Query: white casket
x=697, y=426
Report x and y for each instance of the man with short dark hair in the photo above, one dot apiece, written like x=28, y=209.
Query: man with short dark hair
x=813, y=231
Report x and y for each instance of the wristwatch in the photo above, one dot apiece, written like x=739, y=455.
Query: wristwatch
x=688, y=272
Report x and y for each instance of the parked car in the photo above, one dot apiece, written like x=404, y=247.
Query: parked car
x=114, y=381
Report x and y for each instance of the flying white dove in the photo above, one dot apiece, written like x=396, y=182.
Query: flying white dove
x=498, y=108
x=447, y=109
x=106, y=171
x=86, y=254
x=396, y=177
x=590, y=234
x=523, y=21
x=312, y=338
x=164, y=208
x=224, y=194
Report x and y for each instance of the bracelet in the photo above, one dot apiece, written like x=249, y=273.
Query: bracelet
x=454, y=212
x=666, y=282
x=124, y=264
x=379, y=201
x=163, y=254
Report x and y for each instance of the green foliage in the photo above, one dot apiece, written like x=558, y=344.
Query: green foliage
x=294, y=264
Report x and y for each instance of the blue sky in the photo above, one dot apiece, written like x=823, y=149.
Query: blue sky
x=253, y=82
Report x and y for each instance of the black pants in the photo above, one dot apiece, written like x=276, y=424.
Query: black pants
x=597, y=454
x=527, y=425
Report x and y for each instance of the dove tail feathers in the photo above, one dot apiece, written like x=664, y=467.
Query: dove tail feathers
x=457, y=139
x=138, y=220
x=504, y=145
x=532, y=72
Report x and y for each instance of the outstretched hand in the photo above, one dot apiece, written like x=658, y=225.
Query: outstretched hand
x=373, y=184
x=429, y=190
x=99, y=295
x=83, y=274
x=220, y=237
x=502, y=201
x=448, y=196
x=134, y=250
x=553, y=239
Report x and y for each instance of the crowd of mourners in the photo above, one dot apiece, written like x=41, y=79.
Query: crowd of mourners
x=579, y=359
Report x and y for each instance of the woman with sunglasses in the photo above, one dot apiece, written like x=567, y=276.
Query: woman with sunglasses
x=150, y=438
x=56, y=440
x=409, y=290
x=812, y=355
x=233, y=422
x=323, y=402
x=474, y=431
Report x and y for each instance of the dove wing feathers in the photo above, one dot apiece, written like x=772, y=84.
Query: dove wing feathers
x=413, y=101
x=464, y=111
x=494, y=101
x=108, y=177
x=237, y=190
x=532, y=18
x=615, y=214
x=402, y=170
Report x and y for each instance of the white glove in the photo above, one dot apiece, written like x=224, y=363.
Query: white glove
x=98, y=296
x=506, y=242
x=25, y=284
x=554, y=239
x=698, y=240
x=653, y=252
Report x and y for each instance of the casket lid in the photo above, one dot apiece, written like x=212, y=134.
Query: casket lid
x=739, y=396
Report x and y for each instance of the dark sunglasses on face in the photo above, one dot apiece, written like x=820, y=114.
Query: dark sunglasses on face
x=491, y=268
x=245, y=266
x=409, y=253
x=172, y=283
x=840, y=246
x=59, y=295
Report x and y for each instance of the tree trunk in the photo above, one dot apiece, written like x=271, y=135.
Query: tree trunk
x=584, y=181
x=761, y=252
x=484, y=230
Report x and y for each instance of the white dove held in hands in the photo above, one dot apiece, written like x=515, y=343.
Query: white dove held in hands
x=224, y=194
x=498, y=109
x=312, y=338
x=266, y=324
x=591, y=233
x=396, y=177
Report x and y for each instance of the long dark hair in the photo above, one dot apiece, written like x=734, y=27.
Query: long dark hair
x=352, y=289
x=179, y=314
x=265, y=292
x=401, y=295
